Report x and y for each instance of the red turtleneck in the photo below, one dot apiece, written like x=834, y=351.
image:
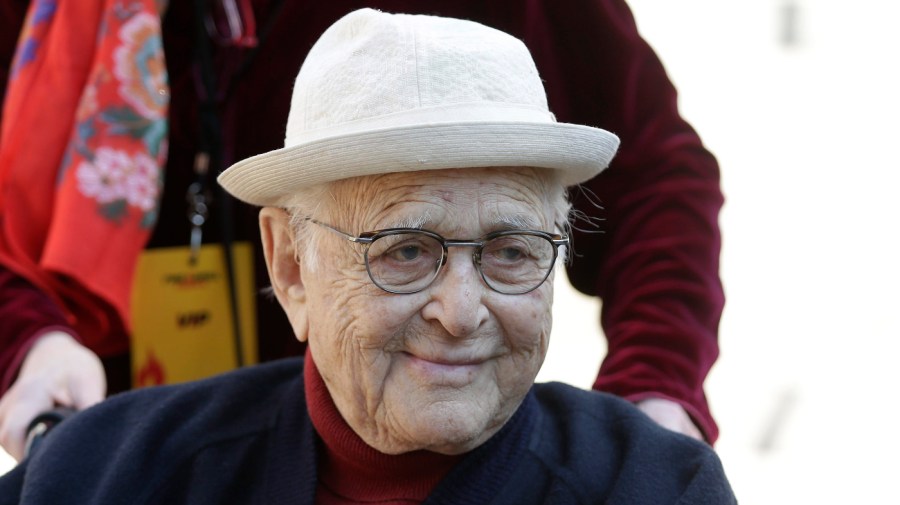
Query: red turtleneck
x=351, y=472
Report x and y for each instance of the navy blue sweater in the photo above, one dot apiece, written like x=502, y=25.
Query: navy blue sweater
x=245, y=437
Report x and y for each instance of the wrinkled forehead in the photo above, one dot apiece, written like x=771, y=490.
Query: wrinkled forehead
x=496, y=197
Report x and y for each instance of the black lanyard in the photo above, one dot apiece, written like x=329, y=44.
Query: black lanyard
x=209, y=154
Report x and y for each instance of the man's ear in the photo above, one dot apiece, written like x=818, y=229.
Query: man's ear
x=284, y=270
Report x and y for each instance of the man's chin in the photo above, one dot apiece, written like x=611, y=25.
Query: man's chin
x=451, y=429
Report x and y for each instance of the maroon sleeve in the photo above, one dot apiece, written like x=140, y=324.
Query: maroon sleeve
x=656, y=264
x=654, y=257
x=26, y=313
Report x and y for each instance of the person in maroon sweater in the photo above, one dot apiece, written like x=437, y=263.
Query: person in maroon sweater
x=418, y=382
x=653, y=259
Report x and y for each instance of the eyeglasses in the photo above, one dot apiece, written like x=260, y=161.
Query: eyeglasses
x=408, y=260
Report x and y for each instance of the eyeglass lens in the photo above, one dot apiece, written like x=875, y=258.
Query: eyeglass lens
x=510, y=263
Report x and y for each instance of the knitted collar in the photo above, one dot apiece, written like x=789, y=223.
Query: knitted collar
x=350, y=471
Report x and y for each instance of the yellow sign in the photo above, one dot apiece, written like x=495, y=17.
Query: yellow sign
x=182, y=317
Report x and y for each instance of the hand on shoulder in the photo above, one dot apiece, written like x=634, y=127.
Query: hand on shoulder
x=670, y=415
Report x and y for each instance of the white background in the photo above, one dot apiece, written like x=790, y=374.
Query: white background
x=807, y=137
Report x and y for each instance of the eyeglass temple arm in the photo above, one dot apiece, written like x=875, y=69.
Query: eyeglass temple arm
x=351, y=238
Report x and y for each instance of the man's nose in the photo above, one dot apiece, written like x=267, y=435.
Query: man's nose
x=457, y=295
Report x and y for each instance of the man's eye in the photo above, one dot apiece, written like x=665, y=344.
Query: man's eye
x=510, y=253
x=509, y=249
x=405, y=253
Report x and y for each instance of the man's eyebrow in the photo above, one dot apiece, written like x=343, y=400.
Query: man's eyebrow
x=517, y=221
x=417, y=222
x=505, y=221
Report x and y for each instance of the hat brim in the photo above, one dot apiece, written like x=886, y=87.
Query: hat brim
x=269, y=179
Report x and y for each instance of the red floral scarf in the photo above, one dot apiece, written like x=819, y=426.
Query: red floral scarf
x=82, y=147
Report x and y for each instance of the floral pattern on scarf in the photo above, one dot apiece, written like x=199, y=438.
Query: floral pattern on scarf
x=82, y=150
x=119, y=178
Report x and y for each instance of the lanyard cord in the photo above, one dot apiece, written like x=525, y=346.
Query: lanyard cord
x=209, y=155
x=210, y=152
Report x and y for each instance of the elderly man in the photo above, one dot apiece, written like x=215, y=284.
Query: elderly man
x=410, y=225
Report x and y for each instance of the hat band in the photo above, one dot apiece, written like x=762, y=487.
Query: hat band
x=488, y=112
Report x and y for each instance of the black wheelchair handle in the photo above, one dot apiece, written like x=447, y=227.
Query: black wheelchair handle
x=40, y=426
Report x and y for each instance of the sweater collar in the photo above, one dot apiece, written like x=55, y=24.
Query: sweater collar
x=352, y=471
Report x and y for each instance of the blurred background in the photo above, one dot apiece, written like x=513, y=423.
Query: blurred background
x=800, y=102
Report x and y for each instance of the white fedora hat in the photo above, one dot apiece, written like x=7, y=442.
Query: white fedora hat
x=381, y=93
